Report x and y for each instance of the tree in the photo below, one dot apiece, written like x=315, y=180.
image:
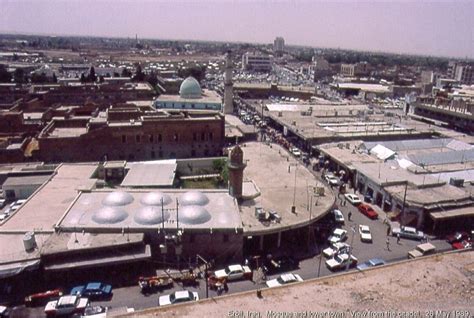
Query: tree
x=83, y=78
x=151, y=78
x=39, y=78
x=92, y=77
x=55, y=79
x=139, y=75
x=19, y=76
x=220, y=166
x=101, y=79
x=126, y=72
x=198, y=72
x=5, y=76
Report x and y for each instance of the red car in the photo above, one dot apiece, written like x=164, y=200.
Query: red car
x=462, y=245
x=43, y=298
x=368, y=211
x=457, y=237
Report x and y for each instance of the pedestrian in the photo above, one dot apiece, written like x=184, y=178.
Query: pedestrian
x=388, y=230
x=344, y=202
x=398, y=238
x=349, y=215
x=226, y=287
x=388, y=244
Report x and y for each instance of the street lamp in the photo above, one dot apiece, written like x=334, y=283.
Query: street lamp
x=293, y=207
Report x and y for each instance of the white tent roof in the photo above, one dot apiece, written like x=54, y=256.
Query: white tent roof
x=382, y=152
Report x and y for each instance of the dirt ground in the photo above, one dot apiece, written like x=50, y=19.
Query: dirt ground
x=441, y=286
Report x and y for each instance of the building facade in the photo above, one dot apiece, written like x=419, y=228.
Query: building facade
x=256, y=62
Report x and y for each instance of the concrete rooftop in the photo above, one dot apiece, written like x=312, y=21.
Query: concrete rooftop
x=268, y=168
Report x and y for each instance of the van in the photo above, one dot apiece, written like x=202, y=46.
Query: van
x=422, y=250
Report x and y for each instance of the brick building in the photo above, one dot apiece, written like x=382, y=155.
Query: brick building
x=124, y=132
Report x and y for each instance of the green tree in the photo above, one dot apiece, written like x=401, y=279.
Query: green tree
x=39, y=78
x=19, y=76
x=5, y=76
x=55, y=79
x=92, y=77
x=139, y=75
x=220, y=166
x=126, y=72
x=83, y=78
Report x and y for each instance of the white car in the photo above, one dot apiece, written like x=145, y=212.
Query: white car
x=332, y=180
x=335, y=249
x=365, y=235
x=352, y=198
x=296, y=152
x=66, y=305
x=234, y=272
x=177, y=297
x=337, y=235
x=338, y=216
x=340, y=261
x=284, y=279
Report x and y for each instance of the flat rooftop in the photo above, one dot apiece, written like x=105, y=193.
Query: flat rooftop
x=25, y=181
x=159, y=173
x=64, y=132
x=267, y=167
x=142, y=210
x=46, y=206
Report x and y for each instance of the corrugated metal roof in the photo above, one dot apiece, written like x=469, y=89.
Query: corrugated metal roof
x=402, y=145
x=439, y=158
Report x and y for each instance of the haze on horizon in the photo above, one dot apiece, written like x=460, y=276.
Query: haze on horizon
x=440, y=28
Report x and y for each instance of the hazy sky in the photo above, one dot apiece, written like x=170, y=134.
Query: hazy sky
x=424, y=27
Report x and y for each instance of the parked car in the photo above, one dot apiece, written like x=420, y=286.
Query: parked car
x=2, y=203
x=338, y=235
x=368, y=211
x=177, y=297
x=93, y=290
x=371, y=263
x=234, y=272
x=281, y=264
x=352, y=198
x=365, y=235
x=94, y=312
x=457, y=237
x=422, y=250
x=336, y=248
x=42, y=298
x=66, y=305
x=338, y=216
x=295, y=151
x=284, y=279
x=331, y=179
x=462, y=245
x=340, y=261
x=408, y=232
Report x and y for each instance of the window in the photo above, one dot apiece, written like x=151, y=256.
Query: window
x=124, y=139
x=151, y=138
x=160, y=154
x=194, y=136
x=137, y=138
x=175, y=137
x=152, y=155
x=160, y=138
x=192, y=105
x=210, y=136
x=193, y=153
x=203, y=136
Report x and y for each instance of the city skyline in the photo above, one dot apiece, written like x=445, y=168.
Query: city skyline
x=402, y=27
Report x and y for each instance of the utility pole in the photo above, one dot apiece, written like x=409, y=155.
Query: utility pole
x=206, y=266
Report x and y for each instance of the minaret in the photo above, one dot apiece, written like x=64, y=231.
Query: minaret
x=236, y=167
x=228, y=89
